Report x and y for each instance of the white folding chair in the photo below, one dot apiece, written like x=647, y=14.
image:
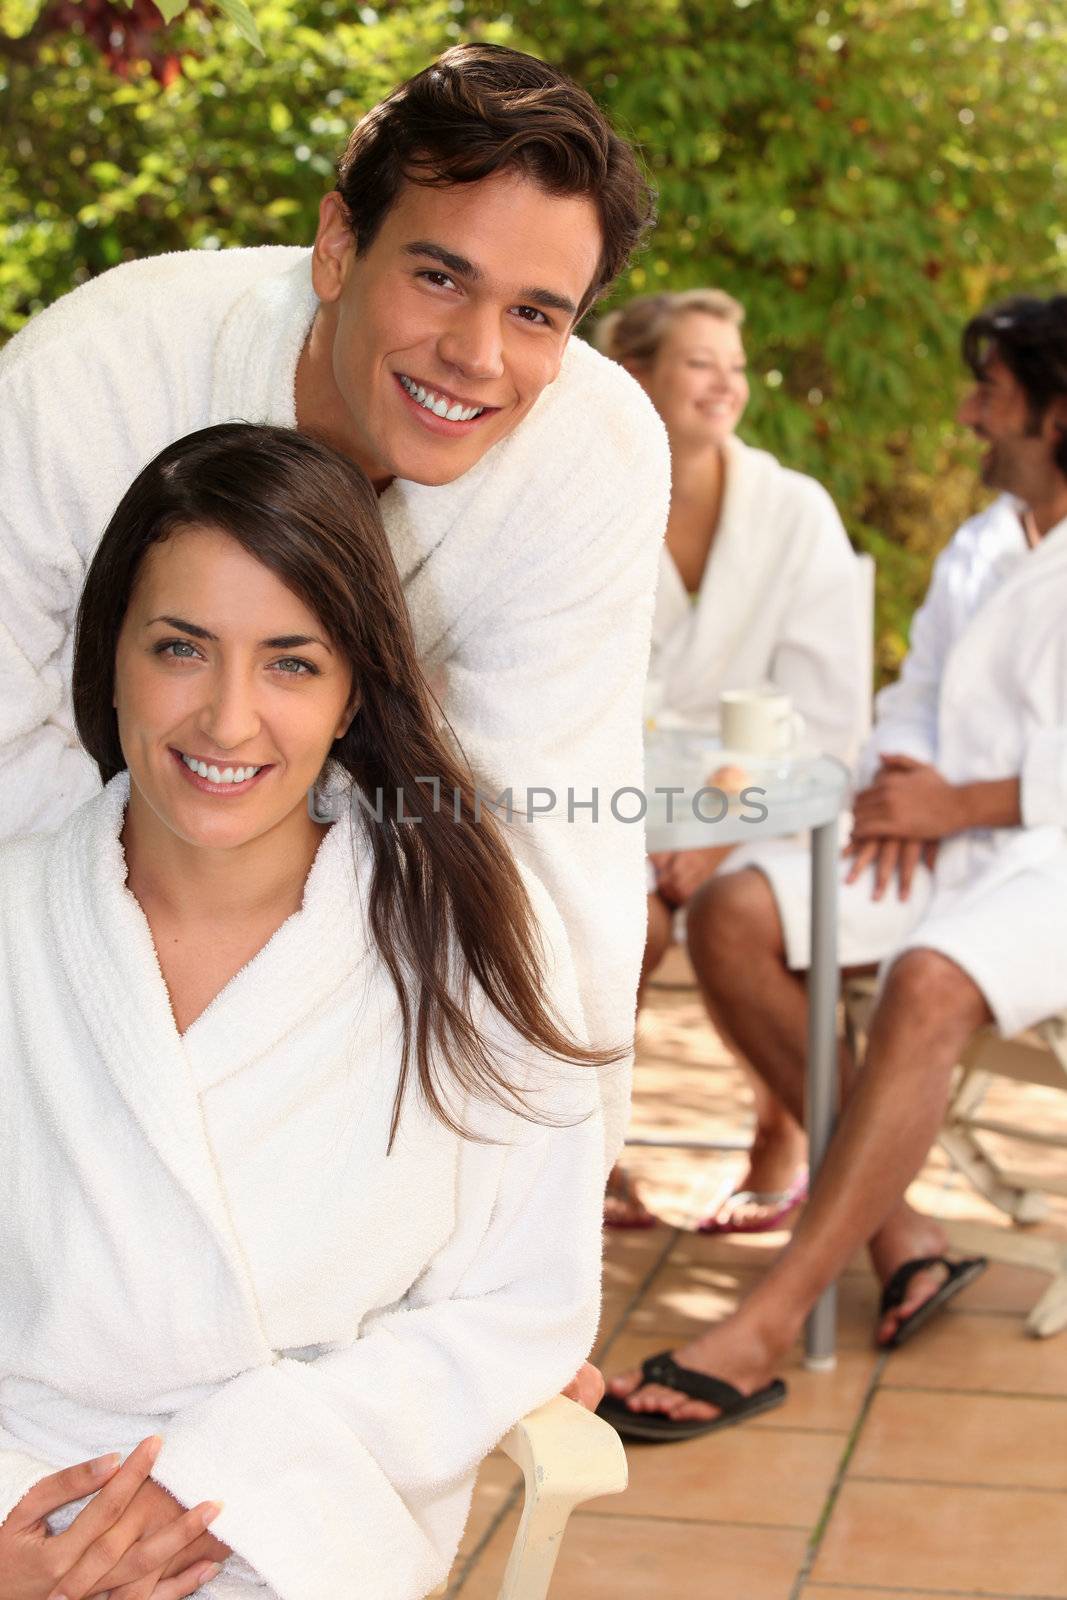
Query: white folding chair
x=567, y=1455
x=1038, y=1057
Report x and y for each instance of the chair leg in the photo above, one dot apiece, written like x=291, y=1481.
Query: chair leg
x=1024, y=1206
x=1049, y=1316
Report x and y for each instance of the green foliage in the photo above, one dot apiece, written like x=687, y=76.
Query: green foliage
x=863, y=177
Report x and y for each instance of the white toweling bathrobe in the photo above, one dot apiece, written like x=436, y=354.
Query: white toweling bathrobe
x=779, y=602
x=530, y=579
x=202, y=1235
x=981, y=696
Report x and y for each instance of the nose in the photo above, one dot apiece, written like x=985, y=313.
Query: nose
x=229, y=716
x=968, y=414
x=472, y=343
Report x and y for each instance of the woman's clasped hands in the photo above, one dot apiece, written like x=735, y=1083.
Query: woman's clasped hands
x=132, y=1540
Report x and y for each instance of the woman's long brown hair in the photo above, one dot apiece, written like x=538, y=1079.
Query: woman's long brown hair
x=447, y=904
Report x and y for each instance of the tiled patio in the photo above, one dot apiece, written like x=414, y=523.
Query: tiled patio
x=940, y=1470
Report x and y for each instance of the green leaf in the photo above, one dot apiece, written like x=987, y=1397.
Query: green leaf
x=169, y=9
x=242, y=19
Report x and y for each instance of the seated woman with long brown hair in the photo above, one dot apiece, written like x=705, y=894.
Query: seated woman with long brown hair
x=301, y=1158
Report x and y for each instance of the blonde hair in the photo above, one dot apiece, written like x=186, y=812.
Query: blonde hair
x=636, y=331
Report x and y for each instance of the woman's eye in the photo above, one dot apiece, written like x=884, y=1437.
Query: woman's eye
x=178, y=650
x=293, y=667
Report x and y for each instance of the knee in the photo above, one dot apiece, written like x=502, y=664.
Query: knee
x=658, y=935
x=730, y=917
x=934, y=993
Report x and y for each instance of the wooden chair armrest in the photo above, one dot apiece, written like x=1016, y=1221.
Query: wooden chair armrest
x=567, y=1455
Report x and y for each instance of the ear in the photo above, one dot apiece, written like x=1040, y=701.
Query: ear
x=1056, y=415
x=334, y=249
x=349, y=717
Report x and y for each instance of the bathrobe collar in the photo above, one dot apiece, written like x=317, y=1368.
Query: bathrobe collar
x=106, y=947
x=698, y=639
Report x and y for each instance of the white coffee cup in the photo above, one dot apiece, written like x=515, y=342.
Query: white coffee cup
x=759, y=722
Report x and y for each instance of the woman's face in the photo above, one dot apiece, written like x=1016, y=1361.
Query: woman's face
x=221, y=670
x=696, y=380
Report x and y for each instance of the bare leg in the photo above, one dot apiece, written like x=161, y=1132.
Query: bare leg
x=779, y=1144
x=928, y=1010
x=657, y=940
x=623, y=1206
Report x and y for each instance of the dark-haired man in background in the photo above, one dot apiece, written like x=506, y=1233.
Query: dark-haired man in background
x=480, y=210
x=957, y=881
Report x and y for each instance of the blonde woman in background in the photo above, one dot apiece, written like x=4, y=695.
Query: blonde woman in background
x=757, y=584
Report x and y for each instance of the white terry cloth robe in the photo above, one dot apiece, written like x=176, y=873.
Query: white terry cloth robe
x=779, y=602
x=203, y=1235
x=982, y=695
x=530, y=579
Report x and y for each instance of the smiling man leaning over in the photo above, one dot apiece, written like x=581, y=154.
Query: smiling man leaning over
x=479, y=211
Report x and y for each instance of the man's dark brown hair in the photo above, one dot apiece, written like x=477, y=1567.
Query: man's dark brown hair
x=481, y=109
x=1030, y=337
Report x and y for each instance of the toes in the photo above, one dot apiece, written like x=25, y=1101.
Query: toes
x=694, y=1411
x=654, y=1397
x=888, y=1326
x=625, y=1383
x=669, y=1403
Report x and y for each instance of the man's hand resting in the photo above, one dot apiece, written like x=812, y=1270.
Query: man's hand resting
x=587, y=1388
x=892, y=858
x=908, y=800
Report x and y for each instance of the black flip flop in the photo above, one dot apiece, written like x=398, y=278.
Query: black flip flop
x=959, y=1275
x=656, y=1427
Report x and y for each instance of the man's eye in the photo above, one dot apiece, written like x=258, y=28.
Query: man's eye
x=440, y=280
x=532, y=314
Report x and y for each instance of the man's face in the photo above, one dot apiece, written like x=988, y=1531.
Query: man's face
x=1019, y=457
x=445, y=330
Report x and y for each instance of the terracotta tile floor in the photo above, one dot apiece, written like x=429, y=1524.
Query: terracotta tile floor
x=936, y=1473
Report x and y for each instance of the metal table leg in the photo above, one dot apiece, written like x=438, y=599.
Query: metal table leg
x=821, y=1096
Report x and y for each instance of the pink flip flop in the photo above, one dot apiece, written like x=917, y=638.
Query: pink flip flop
x=622, y=1190
x=778, y=1202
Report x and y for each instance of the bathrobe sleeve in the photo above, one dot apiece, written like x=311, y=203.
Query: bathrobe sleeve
x=351, y=1473
x=1043, y=671
x=78, y=420
x=1043, y=793
x=19, y=1471
x=546, y=700
x=906, y=713
x=44, y=772
x=820, y=657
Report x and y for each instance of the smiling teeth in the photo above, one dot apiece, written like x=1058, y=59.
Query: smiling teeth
x=440, y=407
x=220, y=775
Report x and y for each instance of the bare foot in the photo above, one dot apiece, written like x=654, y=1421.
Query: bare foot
x=907, y=1236
x=623, y=1206
x=732, y=1350
x=777, y=1155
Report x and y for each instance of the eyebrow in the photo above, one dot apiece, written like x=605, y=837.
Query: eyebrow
x=547, y=299
x=284, y=641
